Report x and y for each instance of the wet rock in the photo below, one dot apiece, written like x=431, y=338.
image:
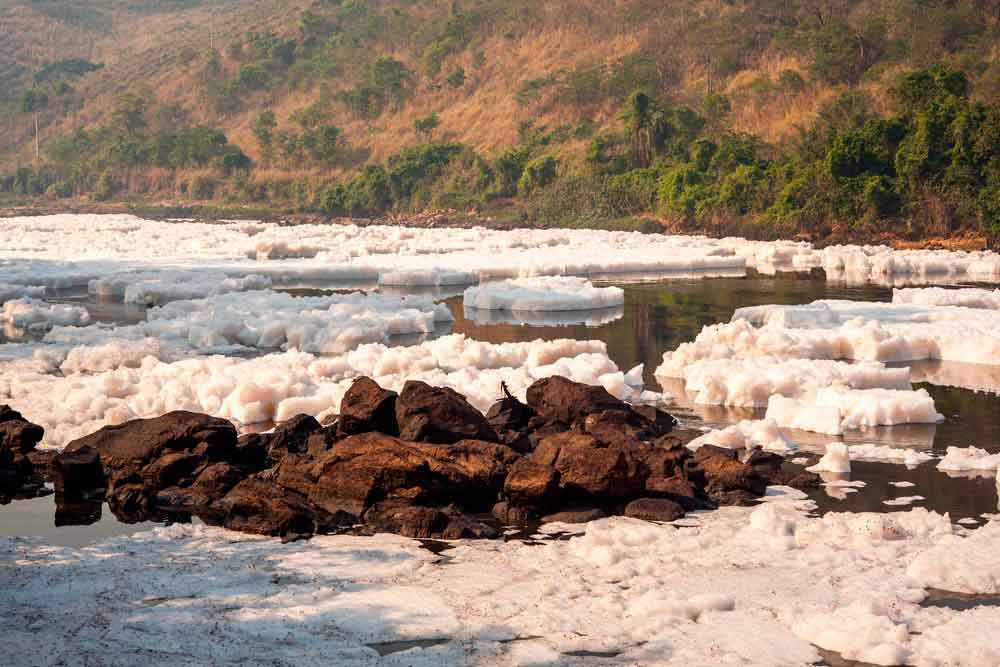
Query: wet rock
x=416, y=521
x=558, y=399
x=654, y=509
x=78, y=473
x=368, y=407
x=18, y=438
x=251, y=450
x=509, y=414
x=660, y=422
x=440, y=415
x=585, y=515
x=531, y=484
x=126, y=448
x=588, y=468
x=257, y=505
x=727, y=481
x=511, y=514
x=291, y=436
x=367, y=468
x=681, y=491
x=17, y=434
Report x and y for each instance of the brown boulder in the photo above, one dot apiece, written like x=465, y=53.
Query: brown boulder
x=78, y=473
x=416, y=521
x=531, y=484
x=126, y=448
x=575, y=516
x=17, y=434
x=558, y=399
x=257, y=505
x=727, y=480
x=654, y=509
x=368, y=407
x=439, y=414
x=370, y=467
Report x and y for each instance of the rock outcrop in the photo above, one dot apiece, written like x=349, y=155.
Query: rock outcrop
x=423, y=463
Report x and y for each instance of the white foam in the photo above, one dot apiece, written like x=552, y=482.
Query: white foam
x=554, y=293
x=280, y=385
x=903, y=500
x=969, y=459
x=760, y=586
x=936, y=296
x=836, y=460
x=29, y=314
x=908, y=457
x=746, y=434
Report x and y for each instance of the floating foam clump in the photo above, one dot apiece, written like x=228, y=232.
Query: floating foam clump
x=541, y=294
x=908, y=457
x=836, y=460
x=747, y=434
x=282, y=385
x=833, y=410
x=751, y=382
x=9, y=292
x=936, y=296
x=33, y=315
x=969, y=459
x=426, y=277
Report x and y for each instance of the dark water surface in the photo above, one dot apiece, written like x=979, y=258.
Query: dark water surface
x=658, y=317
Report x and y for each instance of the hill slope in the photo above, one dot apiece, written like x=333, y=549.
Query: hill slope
x=546, y=84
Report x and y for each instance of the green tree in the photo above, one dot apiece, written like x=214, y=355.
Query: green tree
x=33, y=101
x=130, y=114
x=263, y=127
x=426, y=125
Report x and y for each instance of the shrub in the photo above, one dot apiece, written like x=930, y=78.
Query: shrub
x=537, y=174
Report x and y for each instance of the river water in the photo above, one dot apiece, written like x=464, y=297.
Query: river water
x=658, y=316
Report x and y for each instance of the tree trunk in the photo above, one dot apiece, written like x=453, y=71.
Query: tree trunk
x=36, y=137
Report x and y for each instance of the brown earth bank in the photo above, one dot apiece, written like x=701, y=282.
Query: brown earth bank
x=838, y=235
x=422, y=463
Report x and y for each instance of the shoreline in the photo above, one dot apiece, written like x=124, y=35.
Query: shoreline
x=960, y=240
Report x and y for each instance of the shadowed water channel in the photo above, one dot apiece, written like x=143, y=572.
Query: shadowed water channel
x=658, y=317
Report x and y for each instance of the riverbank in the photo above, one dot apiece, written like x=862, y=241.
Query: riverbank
x=499, y=218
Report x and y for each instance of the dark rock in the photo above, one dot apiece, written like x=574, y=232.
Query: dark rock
x=18, y=438
x=727, y=481
x=170, y=469
x=323, y=439
x=510, y=514
x=425, y=522
x=439, y=414
x=531, y=484
x=681, y=491
x=558, y=399
x=78, y=472
x=661, y=422
x=368, y=407
x=367, y=468
x=126, y=448
x=575, y=516
x=251, y=450
x=509, y=414
x=587, y=468
x=17, y=434
x=260, y=506
x=654, y=509
x=291, y=436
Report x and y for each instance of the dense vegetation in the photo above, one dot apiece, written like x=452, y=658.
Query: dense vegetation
x=764, y=117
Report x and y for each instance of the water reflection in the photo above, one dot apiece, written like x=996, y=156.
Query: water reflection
x=546, y=318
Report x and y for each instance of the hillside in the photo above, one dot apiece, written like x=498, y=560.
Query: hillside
x=558, y=111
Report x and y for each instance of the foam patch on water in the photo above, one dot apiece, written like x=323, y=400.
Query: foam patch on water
x=969, y=459
x=936, y=296
x=29, y=314
x=278, y=386
x=552, y=293
x=747, y=434
x=762, y=586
